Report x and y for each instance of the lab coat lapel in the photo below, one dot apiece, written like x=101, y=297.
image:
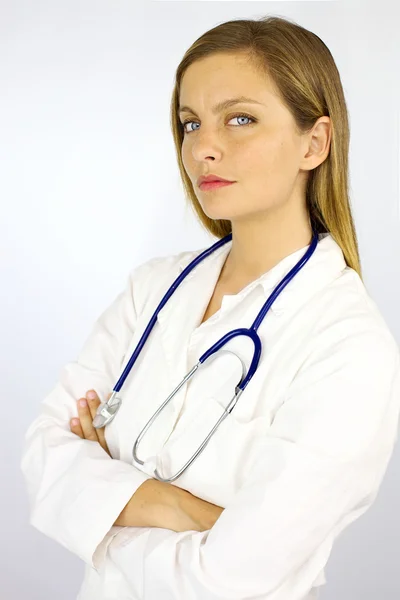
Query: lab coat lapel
x=184, y=310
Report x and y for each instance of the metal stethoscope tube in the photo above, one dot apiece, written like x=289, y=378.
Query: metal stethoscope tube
x=227, y=410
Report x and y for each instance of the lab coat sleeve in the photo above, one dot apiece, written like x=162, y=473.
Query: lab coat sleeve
x=317, y=470
x=76, y=490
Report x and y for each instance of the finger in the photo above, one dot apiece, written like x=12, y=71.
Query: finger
x=85, y=418
x=76, y=427
x=94, y=402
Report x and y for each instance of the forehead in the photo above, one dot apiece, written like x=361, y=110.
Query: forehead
x=219, y=78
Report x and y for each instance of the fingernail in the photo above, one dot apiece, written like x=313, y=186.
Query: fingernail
x=75, y=422
x=91, y=395
x=82, y=402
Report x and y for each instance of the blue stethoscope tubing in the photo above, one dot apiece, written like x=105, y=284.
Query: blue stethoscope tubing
x=107, y=410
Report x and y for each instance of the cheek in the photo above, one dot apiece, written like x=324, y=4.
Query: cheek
x=271, y=159
x=269, y=171
x=257, y=154
x=185, y=160
x=186, y=155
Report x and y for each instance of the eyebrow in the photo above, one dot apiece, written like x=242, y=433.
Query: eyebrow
x=222, y=105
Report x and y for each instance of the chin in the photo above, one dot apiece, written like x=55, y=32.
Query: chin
x=219, y=214
x=216, y=210
x=213, y=211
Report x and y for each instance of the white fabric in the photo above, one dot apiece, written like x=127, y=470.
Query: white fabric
x=300, y=458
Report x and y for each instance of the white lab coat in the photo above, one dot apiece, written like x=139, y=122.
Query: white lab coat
x=301, y=456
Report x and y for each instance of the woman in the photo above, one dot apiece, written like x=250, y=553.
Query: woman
x=304, y=451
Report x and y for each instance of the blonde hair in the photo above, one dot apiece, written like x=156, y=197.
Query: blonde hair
x=305, y=74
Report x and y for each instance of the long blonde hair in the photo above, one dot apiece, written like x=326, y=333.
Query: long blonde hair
x=305, y=74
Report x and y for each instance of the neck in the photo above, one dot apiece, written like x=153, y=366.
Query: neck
x=260, y=244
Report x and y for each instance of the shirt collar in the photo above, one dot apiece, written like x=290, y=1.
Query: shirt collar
x=325, y=265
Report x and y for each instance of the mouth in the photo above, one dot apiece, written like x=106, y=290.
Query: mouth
x=212, y=185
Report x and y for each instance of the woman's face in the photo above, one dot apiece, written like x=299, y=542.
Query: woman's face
x=263, y=154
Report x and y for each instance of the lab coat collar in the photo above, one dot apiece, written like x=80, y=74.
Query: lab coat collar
x=326, y=263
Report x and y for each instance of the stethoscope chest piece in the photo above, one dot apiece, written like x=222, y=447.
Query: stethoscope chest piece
x=106, y=411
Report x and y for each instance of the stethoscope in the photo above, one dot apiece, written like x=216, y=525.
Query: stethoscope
x=106, y=411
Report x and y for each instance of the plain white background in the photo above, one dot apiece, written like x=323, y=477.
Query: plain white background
x=89, y=189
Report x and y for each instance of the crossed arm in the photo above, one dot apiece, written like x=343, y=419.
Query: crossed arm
x=159, y=504
x=155, y=503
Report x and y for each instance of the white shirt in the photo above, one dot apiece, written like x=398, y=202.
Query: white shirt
x=299, y=459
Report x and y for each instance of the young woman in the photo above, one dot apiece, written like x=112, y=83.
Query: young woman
x=304, y=450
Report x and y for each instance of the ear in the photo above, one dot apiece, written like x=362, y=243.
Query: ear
x=317, y=143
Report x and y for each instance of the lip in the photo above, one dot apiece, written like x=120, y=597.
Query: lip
x=211, y=185
x=211, y=178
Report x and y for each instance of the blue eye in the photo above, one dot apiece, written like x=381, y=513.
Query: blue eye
x=233, y=117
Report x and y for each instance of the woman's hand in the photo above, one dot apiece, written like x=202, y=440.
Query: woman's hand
x=83, y=427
